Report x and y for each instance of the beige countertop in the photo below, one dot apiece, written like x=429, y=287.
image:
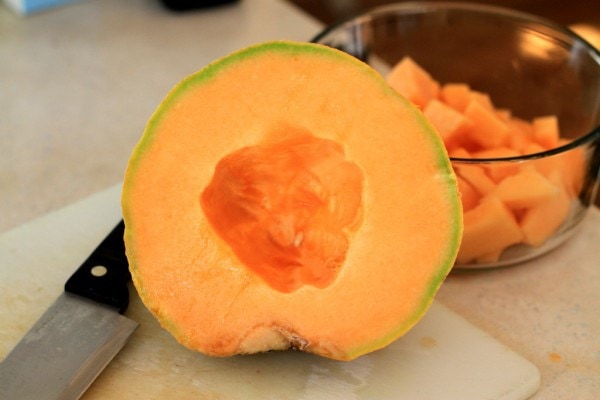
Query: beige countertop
x=78, y=83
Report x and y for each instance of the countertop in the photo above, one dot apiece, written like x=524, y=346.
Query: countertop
x=78, y=83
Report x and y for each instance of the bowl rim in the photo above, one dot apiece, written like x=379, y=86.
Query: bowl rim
x=408, y=7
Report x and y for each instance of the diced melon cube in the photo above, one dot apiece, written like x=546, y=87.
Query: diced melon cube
x=569, y=166
x=446, y=120
x=488, y=131
x=499, y=171
x=526, y=189
x=468, y=195
x=573, y=169
x=545, y=165
x=533, y=147
x=545, y=131
x=490, y=257
x=476, y=177
x=521, y=134
x=488, y=228
x=483, y=99
x=539, y=223
x=497, y=152
x=521, y=126
x=413, y=82
x=456, y=95
x=459, y=152
x=503, y=114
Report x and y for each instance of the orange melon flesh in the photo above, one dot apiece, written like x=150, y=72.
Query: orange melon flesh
x=472, y=127
x=490, y=219
x=541, y=221
x=285, y=196
x=456, y=95
x=477, y=177
x=527, y=188
x=569, y=167
x=497, y=172
x=446, y=120
x=408, y=78
x=545, y=131
x=520, y=135
x=300, y=236
x=468, y=195
x=493, y=131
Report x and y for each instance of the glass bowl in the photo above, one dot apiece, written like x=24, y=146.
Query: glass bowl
x=528, y=69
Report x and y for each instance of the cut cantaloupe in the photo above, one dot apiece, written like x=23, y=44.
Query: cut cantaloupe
x=484, y=100
x=448, y=122
x=526, y=188
x=459, y=152
x=499, y=171
x=314, y=200
x=504, y=115
x=545, y=165
x=491, y=131
x=286, y=197
x=490, y=257
x=413, y=82
x=545, y=131
x=496, y=152
x=468, y=195
x=520, y=135
x=456, y=95
x=540, y=222
x=571, y=169
x=476, y=176
x=489, y=228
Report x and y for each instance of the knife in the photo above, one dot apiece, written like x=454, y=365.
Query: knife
x=81, y=332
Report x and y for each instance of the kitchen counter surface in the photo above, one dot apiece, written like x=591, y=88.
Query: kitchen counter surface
x=78, y=83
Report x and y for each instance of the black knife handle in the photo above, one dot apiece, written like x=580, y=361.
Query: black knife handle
x=104, y=275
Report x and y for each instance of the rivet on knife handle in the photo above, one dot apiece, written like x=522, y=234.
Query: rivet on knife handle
x=104, y=275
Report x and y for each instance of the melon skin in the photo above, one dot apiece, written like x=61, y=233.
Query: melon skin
x=189, y=276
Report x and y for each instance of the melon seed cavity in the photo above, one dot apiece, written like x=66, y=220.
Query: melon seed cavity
x=287, y=208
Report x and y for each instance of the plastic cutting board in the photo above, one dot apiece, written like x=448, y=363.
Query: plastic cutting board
x=443, y=357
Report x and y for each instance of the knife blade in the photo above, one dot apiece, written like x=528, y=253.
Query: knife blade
x=80, y=333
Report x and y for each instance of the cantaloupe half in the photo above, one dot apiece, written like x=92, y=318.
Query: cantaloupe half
x=286, y=197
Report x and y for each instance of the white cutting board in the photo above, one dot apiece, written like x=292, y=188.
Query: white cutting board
x=443, y=357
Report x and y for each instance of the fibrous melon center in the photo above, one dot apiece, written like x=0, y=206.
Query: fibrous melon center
x=287, y=208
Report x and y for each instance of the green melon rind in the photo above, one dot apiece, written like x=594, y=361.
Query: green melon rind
x=447, y=261
x=300, y=48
